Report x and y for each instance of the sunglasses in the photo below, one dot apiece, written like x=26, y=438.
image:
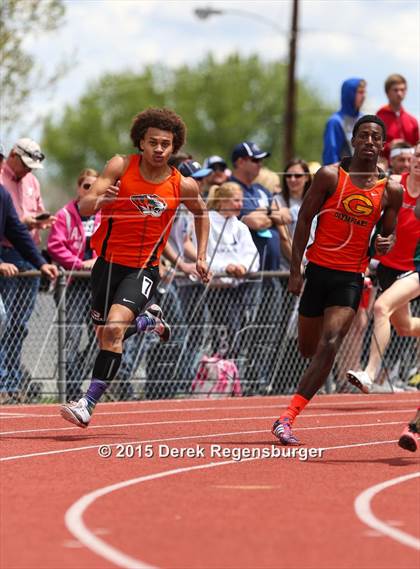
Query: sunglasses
x=35, y=155
x=294, y=175
x=256, y=160
x=86, y=186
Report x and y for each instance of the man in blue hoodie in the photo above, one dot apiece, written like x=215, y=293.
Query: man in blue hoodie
x=339, y=127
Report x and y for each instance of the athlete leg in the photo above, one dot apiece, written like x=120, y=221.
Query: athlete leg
x=392, y=306
x=311, y=311
x=405, y=324
x=119, y=318
x=105, y=368
x=337, y=322
x=135, y=292
x=409, y=436
x=149, y=321
x=350, y=353
x=309, y=333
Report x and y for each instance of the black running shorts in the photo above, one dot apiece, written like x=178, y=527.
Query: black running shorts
x=117, y=284
x=387, y=276
x=326, y=287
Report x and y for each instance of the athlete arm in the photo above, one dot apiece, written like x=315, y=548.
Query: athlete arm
x=189, y=249
x=105, y=189
x=323, y=185
x=393, y=200
x=191, y=198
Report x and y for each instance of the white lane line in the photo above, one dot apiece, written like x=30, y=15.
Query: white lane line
x=213, y=408
x=17, y=415
x=74, y=516
x=189, y=421
x=362, y=505
x=188, y=437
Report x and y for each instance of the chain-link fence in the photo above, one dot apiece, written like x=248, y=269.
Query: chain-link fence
x=48, y=343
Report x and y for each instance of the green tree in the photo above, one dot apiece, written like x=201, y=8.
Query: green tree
x=221, y=103
x=20, y=74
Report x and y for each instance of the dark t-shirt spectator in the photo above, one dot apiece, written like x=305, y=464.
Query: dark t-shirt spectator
x=267, y=241
x=16, y=232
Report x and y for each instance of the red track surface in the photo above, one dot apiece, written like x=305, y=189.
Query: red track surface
x=261, y=513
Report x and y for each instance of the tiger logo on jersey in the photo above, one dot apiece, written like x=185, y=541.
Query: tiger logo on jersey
x=357, y=204
x=149, y=204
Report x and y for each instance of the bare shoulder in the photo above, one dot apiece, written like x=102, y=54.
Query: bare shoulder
x=326, y=178
x=116, y=166
x=189, y=187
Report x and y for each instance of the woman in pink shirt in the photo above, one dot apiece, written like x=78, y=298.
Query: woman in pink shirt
x=69, y=247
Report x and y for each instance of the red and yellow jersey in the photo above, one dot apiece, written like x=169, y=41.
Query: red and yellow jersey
x=345, y=224
x=135, y=227
x=407, y=233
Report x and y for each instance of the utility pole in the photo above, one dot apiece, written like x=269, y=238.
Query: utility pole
x=290, y=114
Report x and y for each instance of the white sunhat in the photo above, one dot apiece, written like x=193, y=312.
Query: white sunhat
x=29, y=152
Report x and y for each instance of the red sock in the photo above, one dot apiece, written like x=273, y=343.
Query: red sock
x=296, y=405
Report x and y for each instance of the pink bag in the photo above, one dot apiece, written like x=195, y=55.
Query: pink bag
x=216, y=378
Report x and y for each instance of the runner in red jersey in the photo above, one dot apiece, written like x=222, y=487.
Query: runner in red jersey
x=138, y=196
x=348, y=200
x=393, y=307
x=410, y=435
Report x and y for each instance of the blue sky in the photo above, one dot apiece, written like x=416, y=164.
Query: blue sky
x=339, y=39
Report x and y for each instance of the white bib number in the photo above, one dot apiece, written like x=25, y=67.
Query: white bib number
x=146, y=286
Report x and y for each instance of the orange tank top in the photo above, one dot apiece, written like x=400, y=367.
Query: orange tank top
x=135, y=227
x=345, y=224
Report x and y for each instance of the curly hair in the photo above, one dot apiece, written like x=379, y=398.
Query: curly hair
x=163, y=119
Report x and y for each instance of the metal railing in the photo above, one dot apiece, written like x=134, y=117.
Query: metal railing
x=251, y=322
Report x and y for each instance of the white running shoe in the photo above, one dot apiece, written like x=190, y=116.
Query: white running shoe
x=361, y=380
x=77, y=413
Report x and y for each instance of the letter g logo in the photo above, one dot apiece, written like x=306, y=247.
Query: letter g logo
x=357, y=204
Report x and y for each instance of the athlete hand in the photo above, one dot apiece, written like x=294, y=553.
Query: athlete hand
x=203, y=271
x=295, y=283
x=110, y=195
x=384, y=244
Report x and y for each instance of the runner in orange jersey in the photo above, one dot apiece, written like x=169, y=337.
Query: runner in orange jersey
x=349, y=199
x=138, y=196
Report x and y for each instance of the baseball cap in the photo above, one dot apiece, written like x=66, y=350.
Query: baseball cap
x=213, y=160
x=29, y=152
x=249, y=149
x=193, y=169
